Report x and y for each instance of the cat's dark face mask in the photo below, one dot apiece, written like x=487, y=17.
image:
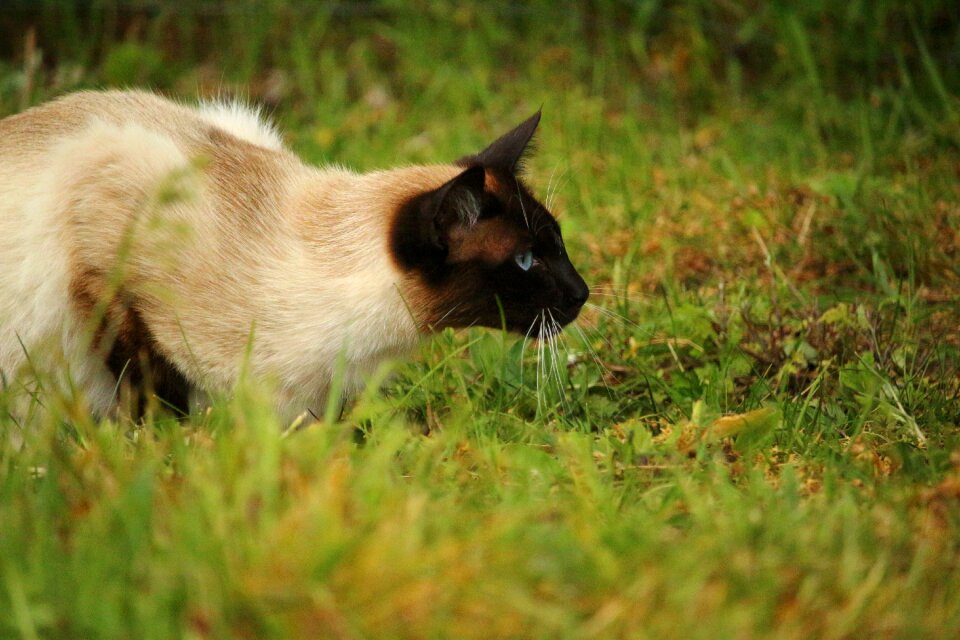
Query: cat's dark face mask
x=487, y=252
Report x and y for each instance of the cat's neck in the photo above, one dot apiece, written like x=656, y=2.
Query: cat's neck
x=336, y=294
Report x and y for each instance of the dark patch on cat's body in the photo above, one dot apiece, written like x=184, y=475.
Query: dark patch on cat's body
x=134, y=358
x=464, y=240
x=129, y=350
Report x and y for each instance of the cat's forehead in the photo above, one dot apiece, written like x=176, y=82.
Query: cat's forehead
x=512, y=221
x=520, y=205
x=491, y=241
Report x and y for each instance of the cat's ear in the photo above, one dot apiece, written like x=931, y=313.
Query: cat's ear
x=458, y=202
x=507, y=151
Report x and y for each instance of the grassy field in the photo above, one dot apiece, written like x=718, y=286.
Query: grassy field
x=753, y=431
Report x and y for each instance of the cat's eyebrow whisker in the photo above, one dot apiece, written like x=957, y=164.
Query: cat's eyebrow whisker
x=552, y=192
x=522, y=208
x=551, y=189
x=540, y=227
x=546, y=200
x=562, y=185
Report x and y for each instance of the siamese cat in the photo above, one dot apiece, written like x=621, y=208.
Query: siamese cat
x=168, y=248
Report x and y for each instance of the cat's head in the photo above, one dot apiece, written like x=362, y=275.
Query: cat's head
x=483, y=251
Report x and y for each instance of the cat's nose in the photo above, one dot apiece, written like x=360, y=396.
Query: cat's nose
x=579, y=294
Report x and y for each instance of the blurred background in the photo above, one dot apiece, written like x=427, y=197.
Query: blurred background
x=779, y=156
x=764, y=197
x=694, y=56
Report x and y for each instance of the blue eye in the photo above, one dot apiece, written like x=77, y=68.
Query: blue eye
x=524, y=259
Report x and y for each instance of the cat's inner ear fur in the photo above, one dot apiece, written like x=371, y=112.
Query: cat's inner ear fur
x=460, y=200
x=456, y=204
x=507, y=152
x=461, y=224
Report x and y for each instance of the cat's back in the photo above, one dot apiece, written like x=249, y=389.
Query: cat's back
x=35, y=130
x=117, y=147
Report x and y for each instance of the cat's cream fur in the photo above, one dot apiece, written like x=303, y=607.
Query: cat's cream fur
x=224, y=239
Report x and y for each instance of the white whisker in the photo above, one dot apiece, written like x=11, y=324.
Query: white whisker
x=613, y=315
x=553, y=187
x=596, y=359
x=523, y=348
x=593, y=352
x=546, y=200
x=602, y=336
x=620, y=296
x=550, y=343
x=562, y=183
x=444, y=316
x=539, y=365
x=554, y=340
x=546, y=221
x=522, y=209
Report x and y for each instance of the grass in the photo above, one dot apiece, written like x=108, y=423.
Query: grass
x=765, y=204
